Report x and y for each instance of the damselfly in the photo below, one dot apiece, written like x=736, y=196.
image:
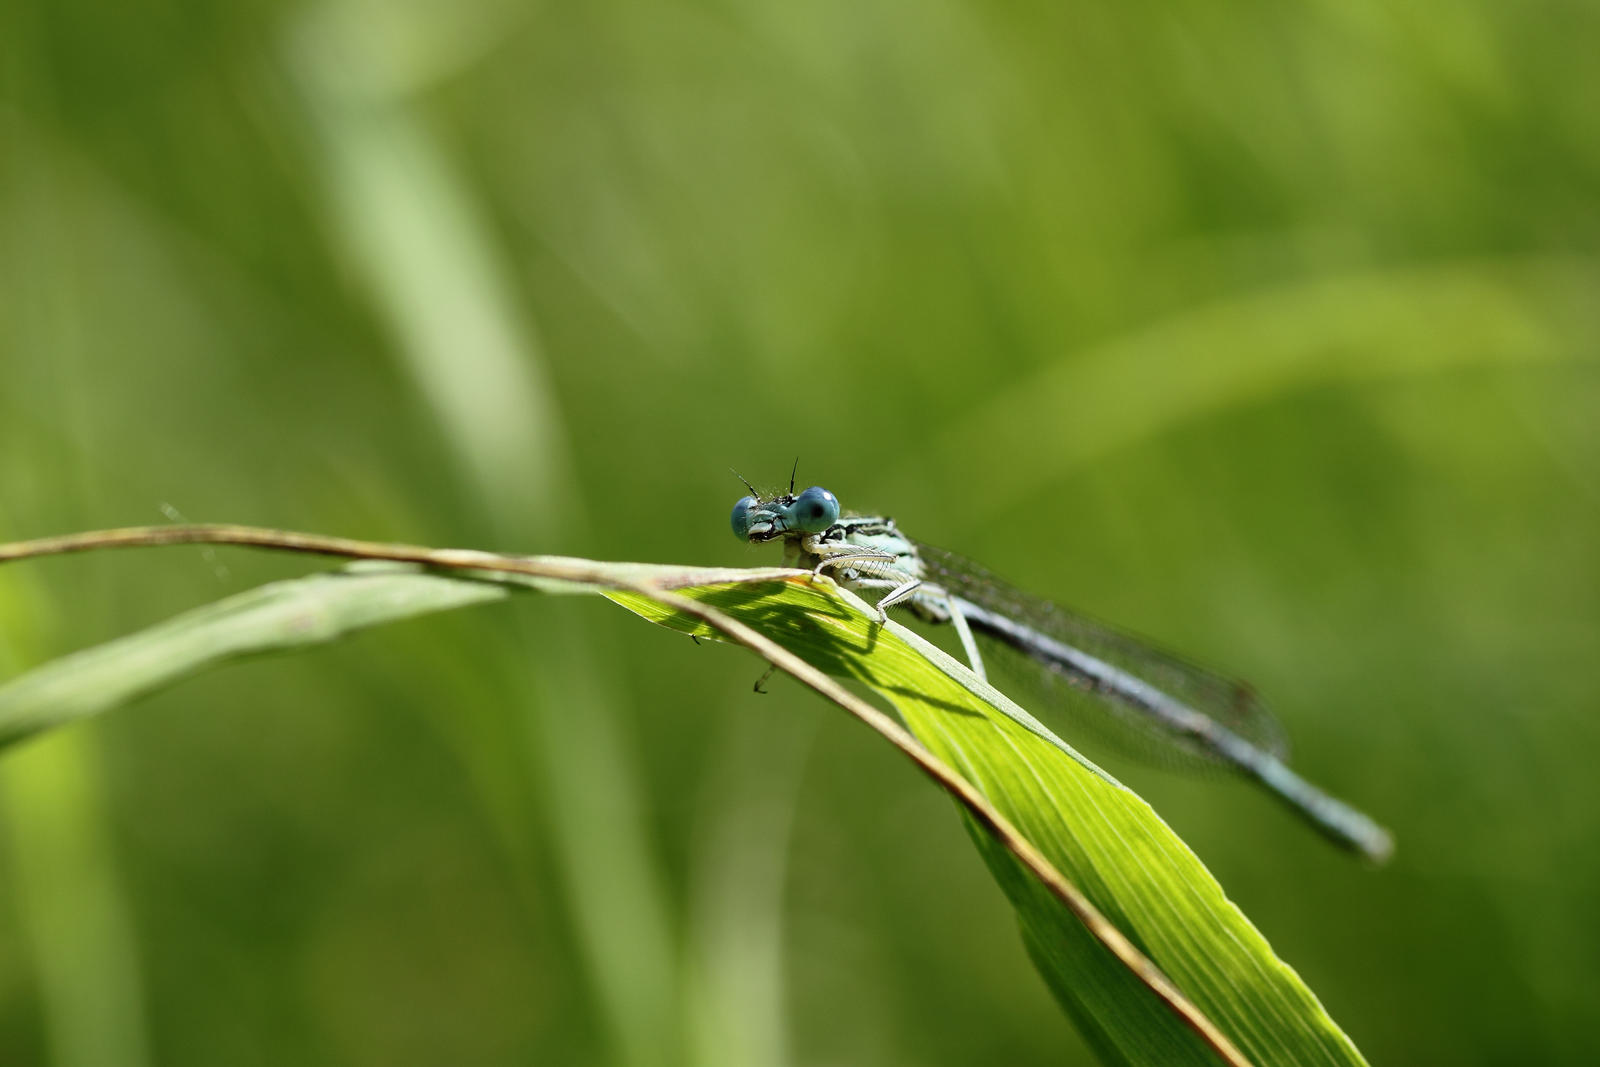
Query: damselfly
x=1192, y=709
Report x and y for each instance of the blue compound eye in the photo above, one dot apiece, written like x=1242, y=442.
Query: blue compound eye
x=741, y=517
x=813, y=511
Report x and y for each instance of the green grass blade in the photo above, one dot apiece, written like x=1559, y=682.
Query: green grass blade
x=1103, y=838
x=278, y=617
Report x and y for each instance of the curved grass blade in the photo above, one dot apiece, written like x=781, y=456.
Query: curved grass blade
x=1038, y=811
x=1102, y=837
x=278, y=617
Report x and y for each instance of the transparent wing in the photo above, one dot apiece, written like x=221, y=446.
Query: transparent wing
x=1232, y=704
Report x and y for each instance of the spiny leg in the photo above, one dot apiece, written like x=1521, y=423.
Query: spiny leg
x=895, y=595
x=851, y=556
x=963, y=631
x=761, y=681
x=897, y=591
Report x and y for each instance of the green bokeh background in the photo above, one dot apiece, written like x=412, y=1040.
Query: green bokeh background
x=1270, y=330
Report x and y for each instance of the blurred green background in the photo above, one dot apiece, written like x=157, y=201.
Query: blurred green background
x=1268, y=330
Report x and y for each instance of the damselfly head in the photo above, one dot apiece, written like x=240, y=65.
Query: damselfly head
x=812, y=512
